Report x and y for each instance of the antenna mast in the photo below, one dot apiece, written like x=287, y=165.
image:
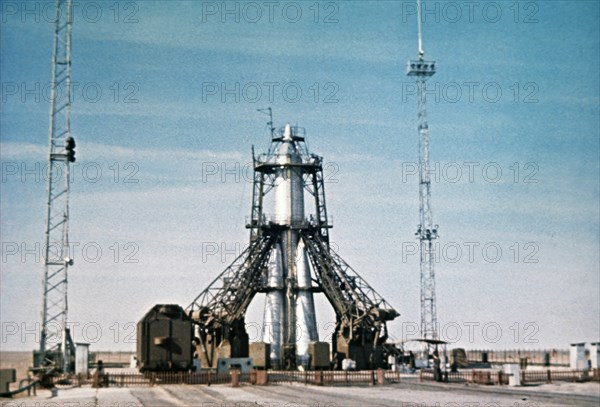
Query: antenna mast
x=426, y=231
x=56, y=346
x=420, y=45
x=269, y=111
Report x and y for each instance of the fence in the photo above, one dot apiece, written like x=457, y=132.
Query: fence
x=328, y=378
x=498, y=377
x=554, y=357
x=566, y=375
x=467, y=376
x=335, y=377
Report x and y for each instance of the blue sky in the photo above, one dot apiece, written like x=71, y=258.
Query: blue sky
x=176, y=60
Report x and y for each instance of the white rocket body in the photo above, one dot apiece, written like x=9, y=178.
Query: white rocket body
x=289, y=313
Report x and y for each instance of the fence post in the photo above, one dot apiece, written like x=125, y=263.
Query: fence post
x=549, y=377
x=421, y=375
x=264, y=378
x=319, y=377
x=235, y=378
x=380, y=377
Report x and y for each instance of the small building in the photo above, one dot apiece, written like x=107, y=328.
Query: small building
x=577, y=357
x=595, y=354
x=82, y=356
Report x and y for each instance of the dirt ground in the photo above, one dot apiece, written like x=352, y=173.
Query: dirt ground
x=405, y=394
x=409, y=393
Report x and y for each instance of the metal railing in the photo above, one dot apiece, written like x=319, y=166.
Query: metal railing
x=327, y=378
x=498, y=377
x=562, y=375
x=270, y=218
x=553, y=357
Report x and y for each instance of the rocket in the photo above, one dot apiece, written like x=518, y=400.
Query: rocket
x=289, y=315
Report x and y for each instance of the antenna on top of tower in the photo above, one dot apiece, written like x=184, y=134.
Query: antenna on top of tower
x=421, y=51
x=269, y=111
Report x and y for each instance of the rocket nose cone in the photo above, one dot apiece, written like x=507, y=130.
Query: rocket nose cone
x=287, y=134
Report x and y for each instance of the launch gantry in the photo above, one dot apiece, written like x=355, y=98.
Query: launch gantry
x=289, y=258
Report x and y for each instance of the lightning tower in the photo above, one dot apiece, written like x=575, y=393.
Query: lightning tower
x=56, y=347
x=426, y=231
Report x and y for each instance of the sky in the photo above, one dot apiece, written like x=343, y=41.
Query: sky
x=164, y=114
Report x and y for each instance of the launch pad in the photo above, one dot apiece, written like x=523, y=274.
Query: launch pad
x=289, y=259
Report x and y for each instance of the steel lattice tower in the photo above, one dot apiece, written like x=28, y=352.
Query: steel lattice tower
x=426, y=232
x=289, y=258
x=55, y=342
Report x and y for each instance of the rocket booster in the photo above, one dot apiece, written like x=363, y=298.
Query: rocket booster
x=289, y=317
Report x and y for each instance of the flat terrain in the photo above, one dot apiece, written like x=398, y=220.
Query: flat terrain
x=403, y=394
x=409, y=393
